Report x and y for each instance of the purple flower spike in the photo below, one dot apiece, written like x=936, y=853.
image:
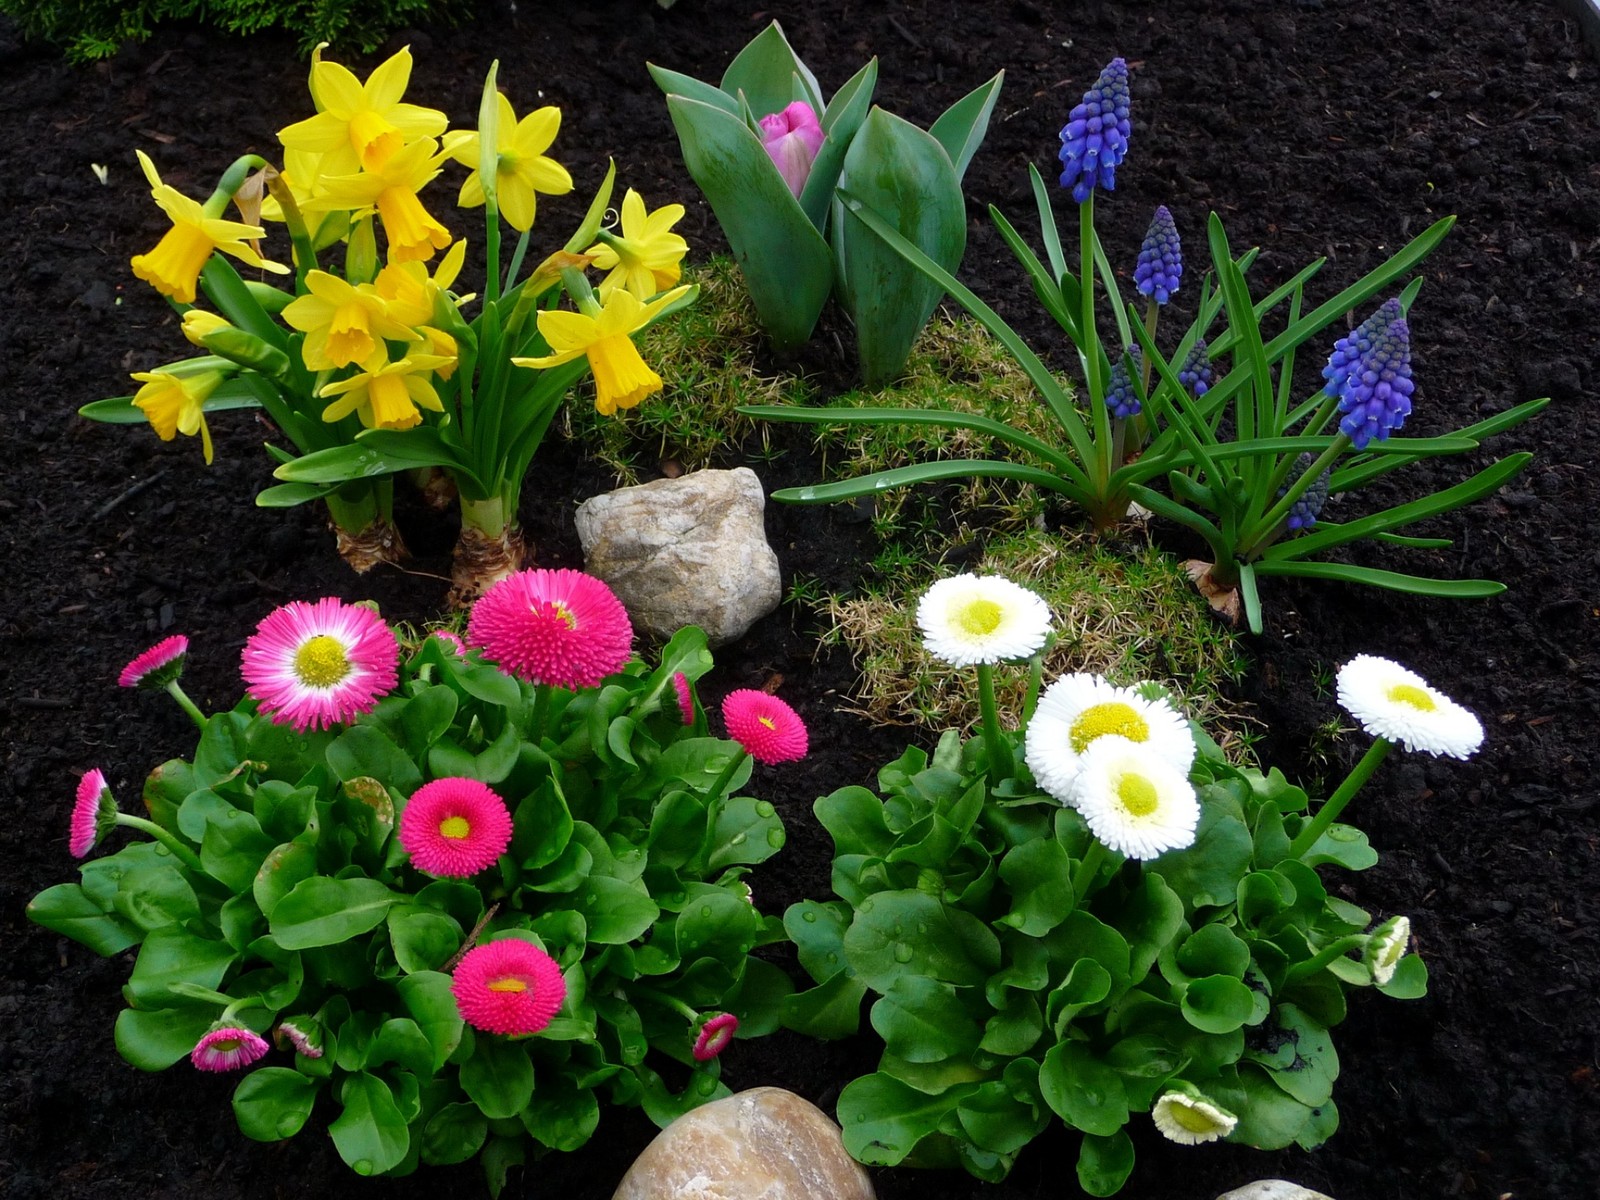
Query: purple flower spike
x=1196, y=373
x=1372, y=372
x=1303, y=512
x=1160, y=259
x=1122, y=399
x=1095, y=137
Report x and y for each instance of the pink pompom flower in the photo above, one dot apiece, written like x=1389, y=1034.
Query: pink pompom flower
x=765, y=726
x=455, y=827
x=227, y=1048
x=158, y=666
x=680, y=684
x=509, y=987
x=715, y=1035
x=312, y=665
x=94, y=798
x=558, y=627
x=792, y=139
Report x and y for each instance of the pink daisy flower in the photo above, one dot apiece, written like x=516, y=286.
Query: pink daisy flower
x=680, y=684
x=455, y=827
x=157, y=666
x=227, y=1049
x=509, y=986
x=714, y=1036
x=93, y=792
x=312, y=665
x=765, y=726
x=554, y=627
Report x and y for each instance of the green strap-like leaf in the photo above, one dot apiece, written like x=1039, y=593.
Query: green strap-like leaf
x=1417, y=585
x=961, y=127
x=932, y=472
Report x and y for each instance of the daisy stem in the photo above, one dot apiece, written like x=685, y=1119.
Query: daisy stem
x=1325, y=956
x=1329, y=812
x=188, y=705
x=998, y=752
x=1035, y=679
x=714, y=795
x=666, y=1001
x=178, y=850
x=1093, y=859
x=541, y=711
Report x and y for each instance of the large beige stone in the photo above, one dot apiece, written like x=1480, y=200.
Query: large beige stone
x=1273, y=1189
x=764, y=1144
x=687, y=551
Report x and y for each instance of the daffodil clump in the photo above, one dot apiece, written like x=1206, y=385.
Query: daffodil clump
x=378, y=362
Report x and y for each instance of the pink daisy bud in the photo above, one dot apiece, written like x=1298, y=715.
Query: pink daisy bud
x=450, y=640
x=455, y=827
x=557, y=627
x=157, y=666
x=765, y=726
x=680, y=684
x=791, y=139
x=715, y=1034
x=302, y=1034
x=93, y=795
x=509, y=986
x=315, y=665
x=228, y=1048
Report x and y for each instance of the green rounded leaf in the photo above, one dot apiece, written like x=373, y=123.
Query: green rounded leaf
x=884, y=1119
x=370, y=1133
x=1039, y=874
x=1083, y=1090
x=67, y=909
x=1104, y=1163
x=154, y=1039
x=913, y=933
x=453, y=1134
x=498, y=1077
x=272, y=1103
x=922, y=1021
x=323, y=912
x=1218, y=1004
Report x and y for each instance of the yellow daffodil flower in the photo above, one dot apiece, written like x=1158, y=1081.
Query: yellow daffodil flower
x=442, y=345
x=342, y=324
x=360, y=126
x=522, y=170
x=392, y=190
x=387, y=396
x=175, y=404
x=197, y=323
x=621, y=377
x=173, y=267
x=645, y=259
x=409, y=290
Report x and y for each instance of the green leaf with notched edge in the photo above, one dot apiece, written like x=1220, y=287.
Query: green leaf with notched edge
x=912, y=933
x=832, y=1009
x=925, y=1021
x=884, y=1119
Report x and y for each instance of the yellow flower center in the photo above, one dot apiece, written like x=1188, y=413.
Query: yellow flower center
x=767, y=723
x=1405, y=693
x=321, y=662
x=454, y=827
x=509, y=984
x=174, y=265
x=227, y=1045
x=979, y=618
x=349, y=338
x=1137, y=795
x=1100, y=719
x=374, y=139
x=1195, y=1120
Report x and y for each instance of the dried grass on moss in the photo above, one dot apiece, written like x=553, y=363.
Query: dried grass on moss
x=1127, y=612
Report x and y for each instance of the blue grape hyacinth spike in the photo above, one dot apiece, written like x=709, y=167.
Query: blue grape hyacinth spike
x=1160, y=263
x=1095, y=137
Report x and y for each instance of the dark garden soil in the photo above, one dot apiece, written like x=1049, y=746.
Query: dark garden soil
x=1315, y=127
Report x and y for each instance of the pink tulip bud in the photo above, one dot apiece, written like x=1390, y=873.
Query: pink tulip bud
x=792, y=138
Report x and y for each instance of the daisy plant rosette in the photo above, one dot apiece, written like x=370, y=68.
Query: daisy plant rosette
x=374, y=360
x=1118, y=928
x=776, y=164
x=1206, y=426
x=455, y=896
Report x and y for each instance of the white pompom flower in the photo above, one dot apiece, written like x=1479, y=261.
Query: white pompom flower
x=1077, y=710
x=1400, y=706
x=1191, y=1120
x=1135, y=802
x=968, y=620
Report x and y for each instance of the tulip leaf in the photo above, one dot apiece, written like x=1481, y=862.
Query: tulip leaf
x=961, y=128
x=675, y=84
x=765, y=71
x=787, y=266
x=904, y=175
x=846, y=111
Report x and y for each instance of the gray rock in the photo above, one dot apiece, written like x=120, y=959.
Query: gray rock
x=763, y=1144
x=687, y=551
x=1273, y=1189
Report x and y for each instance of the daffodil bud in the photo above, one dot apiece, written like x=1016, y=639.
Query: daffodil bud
x=361, y=253
x=246, y=349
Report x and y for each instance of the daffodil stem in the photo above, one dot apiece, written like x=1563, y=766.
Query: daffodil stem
x=491, y=251
x=516, y=260
x=1326, y=955
x=1329, y=812
x=188, y=705
x=998, y=752
x=178, y=850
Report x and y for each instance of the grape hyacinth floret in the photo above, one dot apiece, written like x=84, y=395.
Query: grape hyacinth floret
x=1095, y=137
x=1160, y=263
x=1122, y=398
x=1303, y=512
x=1370, y=372
x=1196, y=374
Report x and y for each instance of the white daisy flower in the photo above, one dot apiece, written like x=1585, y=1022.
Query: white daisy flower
x=1135, y=802
x=1386, y=947
x=1191, y=1120
x=971, y=619
x=1400, y=706
x=1076, y=710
